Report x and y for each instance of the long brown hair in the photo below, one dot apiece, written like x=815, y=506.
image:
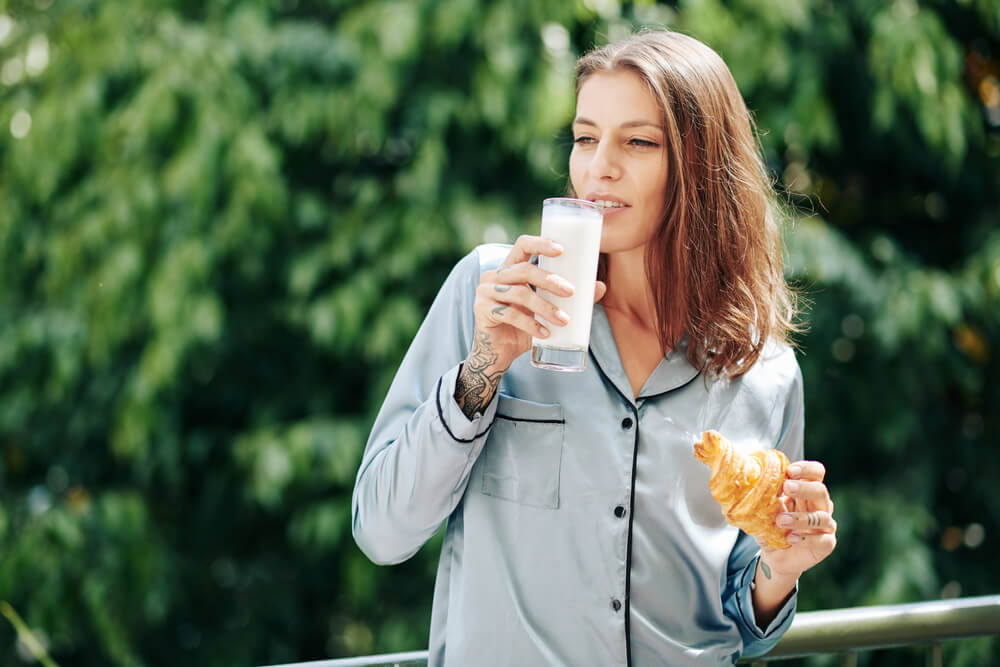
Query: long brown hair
x=715, y=261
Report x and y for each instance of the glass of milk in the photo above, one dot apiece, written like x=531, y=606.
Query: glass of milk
x=575, y=224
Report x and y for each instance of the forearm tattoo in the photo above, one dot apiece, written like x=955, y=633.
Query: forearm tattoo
x=478, y=380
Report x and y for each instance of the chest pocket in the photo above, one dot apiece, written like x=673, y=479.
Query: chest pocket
x=523, y=452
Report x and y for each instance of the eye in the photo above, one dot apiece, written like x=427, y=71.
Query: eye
x=642, y=143
x=584, y=139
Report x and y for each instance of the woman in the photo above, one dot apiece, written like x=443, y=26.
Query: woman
x=580, y=528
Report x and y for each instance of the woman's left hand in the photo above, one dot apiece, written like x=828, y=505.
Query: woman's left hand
x=809, y=515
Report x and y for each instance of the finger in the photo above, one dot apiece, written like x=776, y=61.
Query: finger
x=527, y=273
x=526, y=246
x=813, y=470
x=809, y=492
x=493, y=314
x=819, y=545
x=600, y=289
x=807, y=522
x=529, y=301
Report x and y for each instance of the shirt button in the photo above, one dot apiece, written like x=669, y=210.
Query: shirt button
x=627, y=423
x=620, y=511
x=616, y=605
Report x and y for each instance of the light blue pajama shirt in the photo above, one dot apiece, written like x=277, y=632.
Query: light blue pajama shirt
x=580, y=528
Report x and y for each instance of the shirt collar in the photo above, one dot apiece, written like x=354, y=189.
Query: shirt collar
x=673, y=371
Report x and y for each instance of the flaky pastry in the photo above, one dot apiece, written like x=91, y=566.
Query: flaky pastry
x=746, y=485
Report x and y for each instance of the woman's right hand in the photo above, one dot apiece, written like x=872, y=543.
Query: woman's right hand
x=505, y=309
x=506, y=303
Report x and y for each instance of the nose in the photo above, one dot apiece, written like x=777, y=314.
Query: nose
x=606, y=164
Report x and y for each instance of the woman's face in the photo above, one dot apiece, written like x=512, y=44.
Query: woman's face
x=618, y=158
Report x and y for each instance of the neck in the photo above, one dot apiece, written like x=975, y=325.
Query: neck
x=629, y=291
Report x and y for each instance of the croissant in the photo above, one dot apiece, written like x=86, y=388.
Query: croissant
x=746, y=485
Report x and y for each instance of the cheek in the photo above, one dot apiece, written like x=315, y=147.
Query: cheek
x=576, y=171
x=656, y=188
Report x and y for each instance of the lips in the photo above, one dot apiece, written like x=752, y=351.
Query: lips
x=607, y=202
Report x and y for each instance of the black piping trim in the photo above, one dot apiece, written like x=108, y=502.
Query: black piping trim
x=533, y=421
x=437, y=401
x=628, y=566
x=667, y=391
x=631, y=514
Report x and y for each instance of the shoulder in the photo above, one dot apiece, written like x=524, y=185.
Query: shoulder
x=779, y=357
x=776, y=370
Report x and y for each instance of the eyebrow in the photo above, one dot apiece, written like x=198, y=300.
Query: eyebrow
x=626, y=124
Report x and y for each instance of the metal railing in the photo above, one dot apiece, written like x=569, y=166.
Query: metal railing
x=844, y=631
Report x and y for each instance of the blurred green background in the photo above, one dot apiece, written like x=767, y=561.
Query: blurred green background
x=221, y=223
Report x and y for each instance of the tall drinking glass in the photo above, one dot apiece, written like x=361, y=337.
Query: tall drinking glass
x=575, y=224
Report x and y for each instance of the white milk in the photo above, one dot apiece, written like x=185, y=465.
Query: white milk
x=579, y=233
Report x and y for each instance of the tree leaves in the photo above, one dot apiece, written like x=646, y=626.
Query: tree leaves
x=223, y=223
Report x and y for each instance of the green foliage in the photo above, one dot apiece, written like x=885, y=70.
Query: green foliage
x=223, y=222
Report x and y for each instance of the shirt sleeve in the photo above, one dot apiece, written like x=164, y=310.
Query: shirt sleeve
x=737, y=600
x=422, y=447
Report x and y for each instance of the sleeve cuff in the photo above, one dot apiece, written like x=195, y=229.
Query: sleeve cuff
x=744, y=602
x=459, y=427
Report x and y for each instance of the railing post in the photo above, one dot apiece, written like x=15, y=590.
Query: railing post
x=934, y=656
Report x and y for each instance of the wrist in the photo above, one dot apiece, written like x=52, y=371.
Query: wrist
x=772, y=570
x=478, y=378
x=473, y=364
x=769, y=592
x=474, y=368
x=773, y=580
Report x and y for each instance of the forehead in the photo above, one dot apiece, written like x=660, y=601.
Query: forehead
x=610, y=98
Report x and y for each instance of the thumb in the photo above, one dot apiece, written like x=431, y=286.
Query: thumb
x=600, y=289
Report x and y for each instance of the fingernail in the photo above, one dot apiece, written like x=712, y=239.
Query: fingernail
x=562, y=316
x=543, y=331
x=795, y=469
x=557, y=247
x=785, y=520
x=794, y=539
x=791, y=487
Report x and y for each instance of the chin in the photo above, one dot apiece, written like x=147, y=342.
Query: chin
x=612, y=244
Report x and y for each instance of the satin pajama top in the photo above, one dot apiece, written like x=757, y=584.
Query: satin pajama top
x=580, y=528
